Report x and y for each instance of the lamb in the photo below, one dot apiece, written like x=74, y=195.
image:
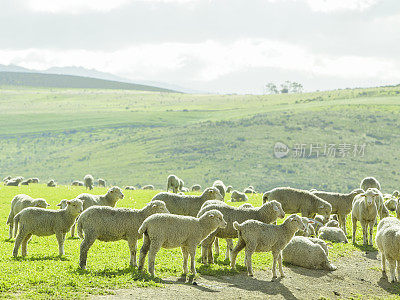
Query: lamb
x=148, y=187
x=388, y=242
x=130, y=187
x=341, y=204
x=14, y=181
x=229, y=189
x=171, y=231
x=309, y=253
x=237, y=196
x=196, y=188
x=35, y=180
x=113, y=224
x=101, y=182
x=89, y=181
x=267, y=213
x=220, y=186
x=333, y=234
x=77, y=183
x=257, y=236
x=51, y=183
x=295, y=200
x=45, y=222
x=173, y=183
x=365, y=210
x=187, y=205
x=370, y=182
x=18, y=203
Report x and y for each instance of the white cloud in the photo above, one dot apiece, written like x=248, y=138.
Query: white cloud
x=340, y=5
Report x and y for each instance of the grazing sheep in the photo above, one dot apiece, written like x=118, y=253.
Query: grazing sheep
x=388, y=241
x=113, y=224
x=237, y=196
x=295, y=201
x=229, y=189
x=173, y=183
x=18, y=203
x=88, y=181
x=26, y=181
x=45, y=222
x=185, y=190
x=267, y=213
x=187, y=205
x=51, y=183
x=148, y=187
x=220, y=186
x=35, y=180
x=365, y=210
x=130, y=187
x=333, y=234
x=309, y=253
x=77, y=183
x=370, y=182
x=332, y=223
x=171, y=231
x=14, y=181
x=196, y=187
x=391, y=204
x=257, y=236
x=341, y=204
x=101, y=182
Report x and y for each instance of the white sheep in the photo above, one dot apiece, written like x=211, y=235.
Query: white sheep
x=310, y=231
x=391, y=204
x=173, y=183
x=257, y=236
x=365, y=210
x=88, y=181
x=309, y=253
x=184, y=190
x=370, y=182
x=18, y=203
x=51, y=183
x=172, y=231
x=220, y=186
x=35, y=180
x=77, y=183
x=229, y=189
x=333, y=234
x=101, y=182
x=148, y=187
x=14, y=181
x=332, y=223
x=130, y=187
x=45, y=222
x=195, y=188
x=113, y=224
x=237, y=196
x=249, y=190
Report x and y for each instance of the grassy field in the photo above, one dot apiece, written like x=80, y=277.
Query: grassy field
x=43, y=274
x=138, y=138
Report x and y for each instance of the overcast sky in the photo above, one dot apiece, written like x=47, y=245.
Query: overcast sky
x=222, y=46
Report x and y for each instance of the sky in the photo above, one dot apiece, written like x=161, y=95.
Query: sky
x=218, y=46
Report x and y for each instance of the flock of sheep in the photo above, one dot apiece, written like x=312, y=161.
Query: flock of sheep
x=172, y=220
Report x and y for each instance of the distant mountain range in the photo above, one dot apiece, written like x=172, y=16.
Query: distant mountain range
x=92, y=73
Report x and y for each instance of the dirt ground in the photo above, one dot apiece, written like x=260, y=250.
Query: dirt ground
x=357, y=276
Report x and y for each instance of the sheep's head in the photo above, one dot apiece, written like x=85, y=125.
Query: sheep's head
x=40, y=203
x=297, y=222
x=115, y=193
x=214, y=217
x=212, y=193
x=62, y=204
x=272, y=211
x=75, y=206
x=371, y=195
x=324, y=208
x=158, y=207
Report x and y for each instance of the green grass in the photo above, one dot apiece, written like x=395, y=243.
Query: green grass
x=43, y=274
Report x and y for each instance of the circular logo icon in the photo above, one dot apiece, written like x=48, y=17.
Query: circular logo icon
x=280, y=150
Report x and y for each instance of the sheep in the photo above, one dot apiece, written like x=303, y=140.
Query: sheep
x=309, y=253
x=148, y=187
x=51, y=183
x=320, y=219
x=249, y=190
x=341, y=204
x=184, y=189
x=385, y=212
x=229, y=189
x=391, y=204
x=187, y=205
x=388, y=241
x=26, y=181
x=364, y=210
x=310, y=231
x=6, y=178
x=257, y=236
x=396, y=194
x=332, y=223
x=89, y=181
x=35, y=180
x=195, y=188
x=333, y=234
x=113, y=224
x=370, y=182
x=101, y=182
x=181, y=184
x=220, y=186
x=171, y=231
x=18, y=203
x=295, y=200
x=14, y=181
x=130, y=187
x=173, y=183
x=45, y=222
x=267, y=213
x=316, y=224
x=237, y=196
x=77, y=183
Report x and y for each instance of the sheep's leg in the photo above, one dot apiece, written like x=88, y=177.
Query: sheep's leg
x=60, y=238
x=132, y=243
x=73, y=230
x=342, y=222
x=274, y=261
x=280, y=264
x=24, y=244
x=192, y=253
x=144, y=250
x=229, y=247
x=248, y=253
x=239, y=246
x=398, y=269
x=371, y=229
x=206, y=249
x=185, y=254
x=392, y=267
x=383, y=262
x=365, y=233
x=18, y=240
x=10, y=233
x=154, y=248
x=85, y=246
x=354, y=221
x=216, y=247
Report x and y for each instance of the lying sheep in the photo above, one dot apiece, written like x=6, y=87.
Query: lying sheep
x=267, y=213
x=77, y=183
x=257, y=236
x=388, y=241
x=364, y=210
x=196, y=188
x=101, y=182
x=173, y=183
x=309, y=253
x=18, y=203
x=148, y=187
x=295, y=201
x=113, y=224
x=332, y=223
x=237, y=196
x=185, y=190
x=51, y=183
x=229, y=189
x=45, y=222
x=6, y=178
x=341, y=204
x=14, y=181
x=88, y=181
x=35, y=180
x=130, y=187
x=320, y=219
x=171, y=231
x=370, y=182
x=187, y=205
x=333, y=234
x=220, y=186
x=249, y=190
x=26, y=181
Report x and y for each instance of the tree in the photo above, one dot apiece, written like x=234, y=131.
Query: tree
x=271, y=88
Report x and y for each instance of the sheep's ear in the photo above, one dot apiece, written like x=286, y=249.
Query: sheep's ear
x=154, y=205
